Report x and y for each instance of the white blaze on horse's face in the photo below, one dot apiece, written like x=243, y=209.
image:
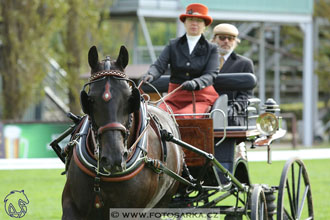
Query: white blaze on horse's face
x=107, y=94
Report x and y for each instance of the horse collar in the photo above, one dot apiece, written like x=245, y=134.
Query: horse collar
x=88, y=162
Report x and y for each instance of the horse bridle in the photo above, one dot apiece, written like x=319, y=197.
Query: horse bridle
x=99, y=76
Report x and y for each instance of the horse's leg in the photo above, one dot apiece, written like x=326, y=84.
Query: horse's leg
x=76, y=198
x=174, y=160
x=163, y=203
x=70, y=211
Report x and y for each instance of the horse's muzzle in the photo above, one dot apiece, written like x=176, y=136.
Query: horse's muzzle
x=114, y=164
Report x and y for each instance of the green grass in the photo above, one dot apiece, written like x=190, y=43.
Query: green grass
x=44, y=187
x=319, y=176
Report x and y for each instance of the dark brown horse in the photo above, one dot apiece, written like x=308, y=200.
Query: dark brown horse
x=113, y=145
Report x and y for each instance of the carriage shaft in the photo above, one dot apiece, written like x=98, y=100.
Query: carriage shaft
x=169, y=137
x=158, y=165
x=56, y=147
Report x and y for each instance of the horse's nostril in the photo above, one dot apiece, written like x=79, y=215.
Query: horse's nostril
x=104, y=160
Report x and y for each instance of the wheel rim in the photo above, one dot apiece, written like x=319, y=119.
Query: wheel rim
x=294, y=193
x=258, y=204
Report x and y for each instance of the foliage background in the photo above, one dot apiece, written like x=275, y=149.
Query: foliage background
x=31, y=31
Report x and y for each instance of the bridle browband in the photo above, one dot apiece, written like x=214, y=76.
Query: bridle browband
x=104, y=73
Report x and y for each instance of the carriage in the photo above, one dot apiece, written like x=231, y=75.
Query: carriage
x=202, y=180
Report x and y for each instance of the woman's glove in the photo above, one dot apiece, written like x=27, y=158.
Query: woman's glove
x=147, y=78
x=190, y=85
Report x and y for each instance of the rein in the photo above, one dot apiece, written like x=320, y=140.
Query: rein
x=162, y=99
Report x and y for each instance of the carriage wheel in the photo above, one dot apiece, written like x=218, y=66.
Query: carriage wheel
x=294, y=194
x=258, y=204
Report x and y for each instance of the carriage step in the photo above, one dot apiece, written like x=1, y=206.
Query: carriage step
x=232, y=210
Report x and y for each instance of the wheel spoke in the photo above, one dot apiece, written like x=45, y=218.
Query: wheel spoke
x=293, y=190
x=289, y=197
x=287, y=214
x=302, y=202
x=298, y=188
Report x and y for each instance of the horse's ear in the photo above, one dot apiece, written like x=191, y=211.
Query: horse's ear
x=134, y=100
x=93, y=57
x=122, y=59
x=84, y=102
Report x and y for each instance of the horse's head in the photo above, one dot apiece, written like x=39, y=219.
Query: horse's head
x=109, y=103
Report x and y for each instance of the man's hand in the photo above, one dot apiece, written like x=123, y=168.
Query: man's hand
x=147, y=78
x=190, y=85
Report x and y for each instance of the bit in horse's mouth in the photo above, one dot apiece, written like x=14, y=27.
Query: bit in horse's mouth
x=116, y=169
x=106, y=170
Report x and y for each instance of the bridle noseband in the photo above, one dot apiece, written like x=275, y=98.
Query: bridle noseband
x=112, y=126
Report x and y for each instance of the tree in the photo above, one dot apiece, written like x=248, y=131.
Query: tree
x=27, y=26
x=322, y=10
x=79, y=34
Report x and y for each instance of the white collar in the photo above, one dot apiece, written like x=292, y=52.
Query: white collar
x=192, y=41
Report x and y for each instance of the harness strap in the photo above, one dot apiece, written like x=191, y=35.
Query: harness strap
x=98, y=198
x=155, y=124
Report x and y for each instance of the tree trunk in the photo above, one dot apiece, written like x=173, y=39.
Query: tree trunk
x=74, y=50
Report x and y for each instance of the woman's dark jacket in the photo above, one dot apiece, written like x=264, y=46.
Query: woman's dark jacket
x=202, y=64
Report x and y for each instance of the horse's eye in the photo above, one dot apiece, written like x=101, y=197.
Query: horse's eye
x=91, y=100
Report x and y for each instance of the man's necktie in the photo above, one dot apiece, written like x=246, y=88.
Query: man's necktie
x=222, y=61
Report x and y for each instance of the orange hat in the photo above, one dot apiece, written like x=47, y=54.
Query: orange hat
x=198, y=11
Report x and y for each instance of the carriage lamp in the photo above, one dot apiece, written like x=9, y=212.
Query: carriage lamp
x=267, y=123
x=271, y=106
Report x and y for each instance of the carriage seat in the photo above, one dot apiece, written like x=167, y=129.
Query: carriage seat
x=230, y=82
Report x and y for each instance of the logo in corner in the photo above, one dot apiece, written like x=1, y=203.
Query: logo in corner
x=15, y=204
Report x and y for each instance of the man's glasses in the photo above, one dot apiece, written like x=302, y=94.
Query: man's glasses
x=223, y=38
